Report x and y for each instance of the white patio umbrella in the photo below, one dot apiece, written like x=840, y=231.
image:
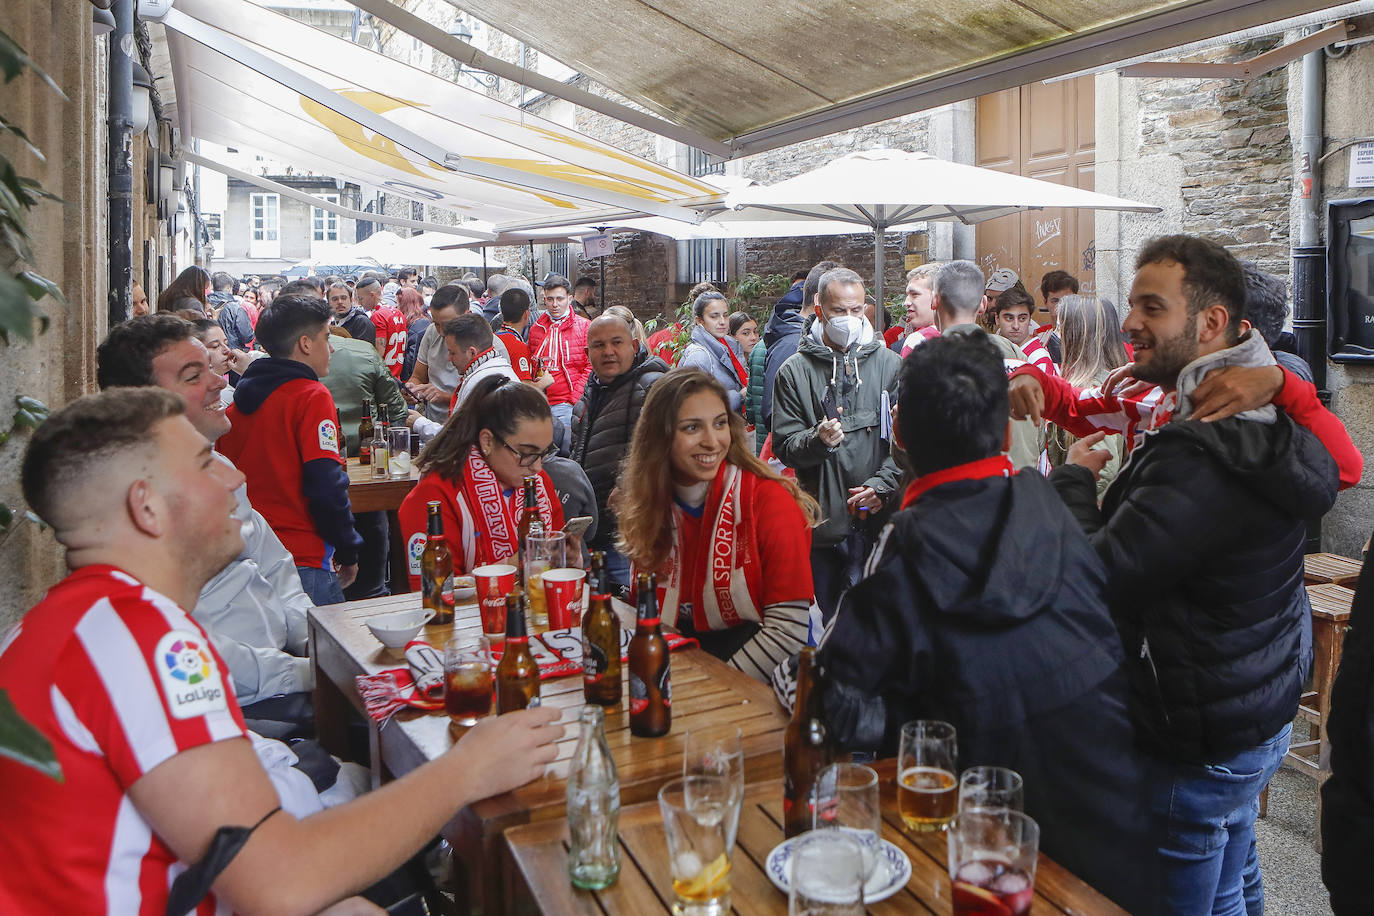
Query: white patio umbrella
x=888, y=189
x=380, y=246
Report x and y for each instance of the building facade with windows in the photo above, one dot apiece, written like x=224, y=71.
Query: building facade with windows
x=266, y=233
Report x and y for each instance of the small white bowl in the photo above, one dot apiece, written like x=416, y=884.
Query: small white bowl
x=464, y=588
x=395, y=630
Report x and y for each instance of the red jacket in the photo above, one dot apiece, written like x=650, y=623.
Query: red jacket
x=563, y=347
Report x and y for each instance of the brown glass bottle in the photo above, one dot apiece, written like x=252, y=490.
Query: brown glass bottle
x=806, y=747
x=365, y=433
x=600, y=641
x=436, y=568
x=530, y=522
x=651, y=691
x=517, y=674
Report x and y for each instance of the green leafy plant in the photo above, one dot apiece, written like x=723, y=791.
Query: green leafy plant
x=22, y=742
x=21, y=287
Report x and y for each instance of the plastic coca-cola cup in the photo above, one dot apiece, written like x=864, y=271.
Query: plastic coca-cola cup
x=494, y=607
x=563, y=595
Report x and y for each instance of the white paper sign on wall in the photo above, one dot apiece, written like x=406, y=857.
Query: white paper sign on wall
x=598, y=246
x=1362, y=166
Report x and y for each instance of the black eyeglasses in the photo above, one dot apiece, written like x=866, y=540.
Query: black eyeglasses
x=525, y=459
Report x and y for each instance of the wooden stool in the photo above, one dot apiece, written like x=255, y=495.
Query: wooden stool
x=1330, y=569
x=1330, y=618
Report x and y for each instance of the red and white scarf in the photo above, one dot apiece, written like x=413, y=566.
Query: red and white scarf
x=720, y=580
x=489, y=518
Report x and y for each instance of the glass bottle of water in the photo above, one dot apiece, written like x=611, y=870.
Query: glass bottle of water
x=593, y=807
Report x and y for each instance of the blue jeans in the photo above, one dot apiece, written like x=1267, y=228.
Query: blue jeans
x=563, y=413
x=1208, y=862
x=321, y=585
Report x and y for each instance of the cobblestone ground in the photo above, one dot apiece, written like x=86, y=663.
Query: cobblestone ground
x=1288, y=859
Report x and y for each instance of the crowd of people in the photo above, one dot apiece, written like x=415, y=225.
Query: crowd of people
x=1073, y=532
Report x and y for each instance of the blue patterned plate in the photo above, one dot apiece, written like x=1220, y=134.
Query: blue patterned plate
x=891, y=875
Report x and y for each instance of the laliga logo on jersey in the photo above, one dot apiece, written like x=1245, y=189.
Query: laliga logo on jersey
x=187, y=661
x=189, y=676
x=415, y=548
x=329, y=436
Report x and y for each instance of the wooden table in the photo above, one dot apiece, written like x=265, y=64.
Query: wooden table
x=536, y=866
x=706, y=692
x=1330, y=569
x=384, y=494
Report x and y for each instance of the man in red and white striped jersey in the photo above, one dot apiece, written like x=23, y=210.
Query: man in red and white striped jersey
x=1012, y=312
x=141, y=716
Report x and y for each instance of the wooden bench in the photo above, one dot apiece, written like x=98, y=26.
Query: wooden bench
x=1330, y=569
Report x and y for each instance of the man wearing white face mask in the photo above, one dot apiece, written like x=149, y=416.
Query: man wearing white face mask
x=832, y=423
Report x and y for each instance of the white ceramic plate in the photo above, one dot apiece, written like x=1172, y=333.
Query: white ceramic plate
x=464, y=588
x=891, y=875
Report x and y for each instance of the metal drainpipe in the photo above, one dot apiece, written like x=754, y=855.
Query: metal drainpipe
x=1309, y=255
x=121, y=163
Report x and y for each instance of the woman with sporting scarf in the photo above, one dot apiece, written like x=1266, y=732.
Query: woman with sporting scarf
x=475, y=467
x=729, y=539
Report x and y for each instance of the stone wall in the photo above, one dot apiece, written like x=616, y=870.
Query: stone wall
x=70, y=243
x=1214, y=154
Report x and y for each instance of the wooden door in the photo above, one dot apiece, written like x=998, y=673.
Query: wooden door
x=1041, y=131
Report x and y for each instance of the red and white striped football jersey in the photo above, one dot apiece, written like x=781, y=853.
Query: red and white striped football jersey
x=118, y=678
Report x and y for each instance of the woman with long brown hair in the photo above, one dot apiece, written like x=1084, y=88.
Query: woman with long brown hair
x=729, y=539
x=191, y=283
x=475, y=468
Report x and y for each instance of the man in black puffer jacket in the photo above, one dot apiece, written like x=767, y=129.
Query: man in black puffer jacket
x=604, y=419
x=983, y=605
x=1202, y=535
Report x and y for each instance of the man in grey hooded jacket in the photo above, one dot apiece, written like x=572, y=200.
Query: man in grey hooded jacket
x=832, y=422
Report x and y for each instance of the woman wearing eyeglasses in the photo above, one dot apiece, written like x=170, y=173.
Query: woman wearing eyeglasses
x=474, y=467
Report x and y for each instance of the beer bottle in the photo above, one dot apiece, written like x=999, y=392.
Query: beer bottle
x=806, y=747
x=600, y=641
x=530, y=521
x=517, y=675
x=436, y=568
x=365, y=433
x=651, y=692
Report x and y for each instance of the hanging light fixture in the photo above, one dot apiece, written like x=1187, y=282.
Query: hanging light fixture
x=102, y=22
x=142, y=104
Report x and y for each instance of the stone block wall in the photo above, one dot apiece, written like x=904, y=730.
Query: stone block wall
x=1231, y=138
x=1214, y=154
x=70, y=244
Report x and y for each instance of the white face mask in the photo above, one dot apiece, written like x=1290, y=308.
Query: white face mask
x=845, y=330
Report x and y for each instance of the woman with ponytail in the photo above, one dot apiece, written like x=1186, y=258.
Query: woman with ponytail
x=729, y=539
x=475, y=467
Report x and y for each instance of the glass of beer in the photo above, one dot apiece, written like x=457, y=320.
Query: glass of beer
x=700, y=818
x=991, y=787
x=467, y=679
x=992, y=857
x=928, y=790
x=541, y=553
